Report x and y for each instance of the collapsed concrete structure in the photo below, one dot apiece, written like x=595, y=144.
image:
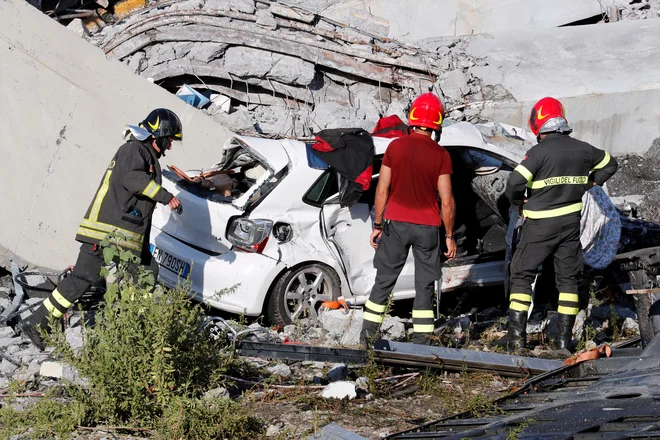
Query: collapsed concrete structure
x=290, y=72
x=63, y=110
x=286, y=71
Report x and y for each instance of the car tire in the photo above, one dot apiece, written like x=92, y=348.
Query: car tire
x=284, y=304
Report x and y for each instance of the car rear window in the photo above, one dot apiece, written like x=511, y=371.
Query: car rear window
x=325, y=186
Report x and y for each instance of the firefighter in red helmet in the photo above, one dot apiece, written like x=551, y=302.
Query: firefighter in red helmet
x=415, y=171
x=548, y=186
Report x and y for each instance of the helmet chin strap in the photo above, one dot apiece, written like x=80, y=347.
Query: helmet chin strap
x=162, y=146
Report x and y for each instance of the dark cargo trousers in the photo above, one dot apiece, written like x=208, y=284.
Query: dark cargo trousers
x=391, y=255
x=541, y=238
x=85, y=273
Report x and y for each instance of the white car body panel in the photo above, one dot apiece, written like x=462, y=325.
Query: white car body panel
x=347, y=250
x=252, y=274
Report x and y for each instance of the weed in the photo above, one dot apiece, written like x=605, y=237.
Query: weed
x=48, y=418
x=594, y=293
x=589, y=335
x=519, y=429
x=481, y=406
x=148, y=360
x=616, y=323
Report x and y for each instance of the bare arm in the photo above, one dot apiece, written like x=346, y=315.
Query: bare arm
x=448, y=212
x=382, y=193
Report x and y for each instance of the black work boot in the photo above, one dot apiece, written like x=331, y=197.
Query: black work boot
x=30, y=327
x=422, y=338
x=516, y=336
x=566, y=323
x=368, y=334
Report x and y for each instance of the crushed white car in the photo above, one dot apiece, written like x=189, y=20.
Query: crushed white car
x=278, y=243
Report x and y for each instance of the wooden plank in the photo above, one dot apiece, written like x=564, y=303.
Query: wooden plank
x=642, y=291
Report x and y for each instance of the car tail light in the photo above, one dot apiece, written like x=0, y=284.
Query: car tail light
x=249, y=235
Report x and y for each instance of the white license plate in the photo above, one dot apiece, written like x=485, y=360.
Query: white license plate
x=170, y=262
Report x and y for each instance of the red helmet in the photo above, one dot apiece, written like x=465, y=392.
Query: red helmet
x=426, y=111
x=543, y=111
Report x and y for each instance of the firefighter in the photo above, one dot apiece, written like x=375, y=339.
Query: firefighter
x=124, y=202
x=547, y=187
x=415, y=170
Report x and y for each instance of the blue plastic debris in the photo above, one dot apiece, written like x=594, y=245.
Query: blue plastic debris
x=192, y=96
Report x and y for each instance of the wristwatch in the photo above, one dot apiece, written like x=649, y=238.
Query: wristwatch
x=378, y=225
x=449, y=236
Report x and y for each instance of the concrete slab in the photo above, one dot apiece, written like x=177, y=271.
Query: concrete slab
x=621, y=123
x=573, y=61
x=606, y=75
x=64, y=107
x=436, y=18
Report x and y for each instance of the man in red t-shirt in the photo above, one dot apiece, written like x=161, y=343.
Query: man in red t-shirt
x=414, y=172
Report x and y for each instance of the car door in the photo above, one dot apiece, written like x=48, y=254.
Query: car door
x=346, y=232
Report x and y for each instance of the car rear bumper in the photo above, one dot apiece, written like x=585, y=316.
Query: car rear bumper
x=236, y=282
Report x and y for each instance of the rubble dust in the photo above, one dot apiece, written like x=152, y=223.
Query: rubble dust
x=639, y=176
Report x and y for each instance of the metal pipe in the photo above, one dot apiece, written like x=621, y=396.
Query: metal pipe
x=19, y=294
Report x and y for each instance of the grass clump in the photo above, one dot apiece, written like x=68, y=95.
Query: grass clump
x=148, y=361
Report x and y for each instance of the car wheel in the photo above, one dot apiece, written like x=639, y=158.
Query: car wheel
x=298, y=294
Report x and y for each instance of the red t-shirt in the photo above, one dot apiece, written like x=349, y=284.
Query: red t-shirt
x=416, y=162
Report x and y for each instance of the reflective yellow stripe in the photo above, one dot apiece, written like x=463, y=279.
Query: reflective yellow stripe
x=561, y=180
x=423, y=328
x=521, y=296
x=373, y=317
x=518, y=307
x=96, y=207
x=60, y=299
x=575, y=207
x=101, y=235
x=375, y=307
x=151, y=190
x=110, y=228
x=603, y=162
x=422, y=314
x=572, y=297
x=51, y=309
x=524, y=172
x=568, y=310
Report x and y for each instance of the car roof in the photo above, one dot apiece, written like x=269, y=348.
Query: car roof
x=504, y=140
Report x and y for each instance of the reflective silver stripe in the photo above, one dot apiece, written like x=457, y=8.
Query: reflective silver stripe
x=576, y=207
x=571, y=297
x=151, y=190
x=423, y=328
x=603, y=162
x=96, y=207
x=560, y=180
x=52, y=309
x=110, y=228
x=525, y=297
x=85, y=232
x=375, y=307
x=57, y=296
x=373, y=317
x=422, y=314
x=568, y=310
x=524, y=172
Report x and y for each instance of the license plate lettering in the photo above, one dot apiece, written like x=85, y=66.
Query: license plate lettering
x=170, y=262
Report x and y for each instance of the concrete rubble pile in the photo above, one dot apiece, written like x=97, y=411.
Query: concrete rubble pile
x=636, y=185
x=287, y=71
x=637, y=9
